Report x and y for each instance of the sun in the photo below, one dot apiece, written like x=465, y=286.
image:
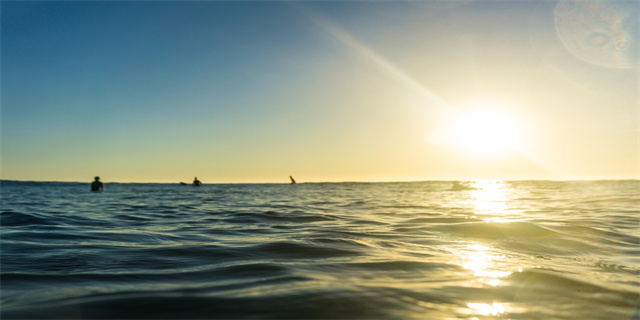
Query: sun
x=486, y=131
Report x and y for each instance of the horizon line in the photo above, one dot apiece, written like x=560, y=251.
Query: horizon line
x=346, y=181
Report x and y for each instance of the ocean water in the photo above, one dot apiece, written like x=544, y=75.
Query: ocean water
x=502, y=250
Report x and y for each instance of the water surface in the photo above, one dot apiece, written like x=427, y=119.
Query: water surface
x=503, y=250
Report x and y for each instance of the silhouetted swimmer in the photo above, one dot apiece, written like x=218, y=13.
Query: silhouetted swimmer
x=457, y=186
x=292, y=181
x=96, y=185
x=196, y=182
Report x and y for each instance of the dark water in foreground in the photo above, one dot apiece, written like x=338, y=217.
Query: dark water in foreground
x=508, y=250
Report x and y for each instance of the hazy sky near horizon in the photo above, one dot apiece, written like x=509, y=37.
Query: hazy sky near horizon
x=150, y=91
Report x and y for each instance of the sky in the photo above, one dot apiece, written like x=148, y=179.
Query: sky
x=253, y=92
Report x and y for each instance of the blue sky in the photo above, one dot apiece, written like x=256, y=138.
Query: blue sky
x=325, y=91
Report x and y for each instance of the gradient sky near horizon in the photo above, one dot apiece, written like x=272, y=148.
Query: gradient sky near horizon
x=149, y=91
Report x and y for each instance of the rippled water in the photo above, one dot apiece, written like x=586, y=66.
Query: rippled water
x=505, y=250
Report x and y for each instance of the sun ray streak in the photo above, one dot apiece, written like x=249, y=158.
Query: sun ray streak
x=378, y=60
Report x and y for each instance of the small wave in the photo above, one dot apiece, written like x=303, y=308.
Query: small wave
x=274, y=217
x=334, y=304
x=294, y=250
x=536, y=280
x=19, y=219
x=437, y=220
x=496, y=230
x=615, y=267
x=399, y=266
x=342, y=243
x=51, y=236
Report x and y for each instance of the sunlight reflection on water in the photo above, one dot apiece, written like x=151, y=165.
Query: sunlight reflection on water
x=486, y=309
x=486, y=264
x=489, y=267
x=491, y=197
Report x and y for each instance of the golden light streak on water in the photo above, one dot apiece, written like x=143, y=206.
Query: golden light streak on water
x=479, y=259
x=491, y=197
x=486, y=309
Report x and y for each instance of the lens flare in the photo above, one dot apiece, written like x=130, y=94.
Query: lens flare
x=599, y=32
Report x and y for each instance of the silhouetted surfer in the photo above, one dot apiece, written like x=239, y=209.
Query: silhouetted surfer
x=292, y=181
x=196, y=182
x=96, y=185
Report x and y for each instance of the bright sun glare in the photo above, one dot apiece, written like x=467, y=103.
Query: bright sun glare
x=486, y=132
